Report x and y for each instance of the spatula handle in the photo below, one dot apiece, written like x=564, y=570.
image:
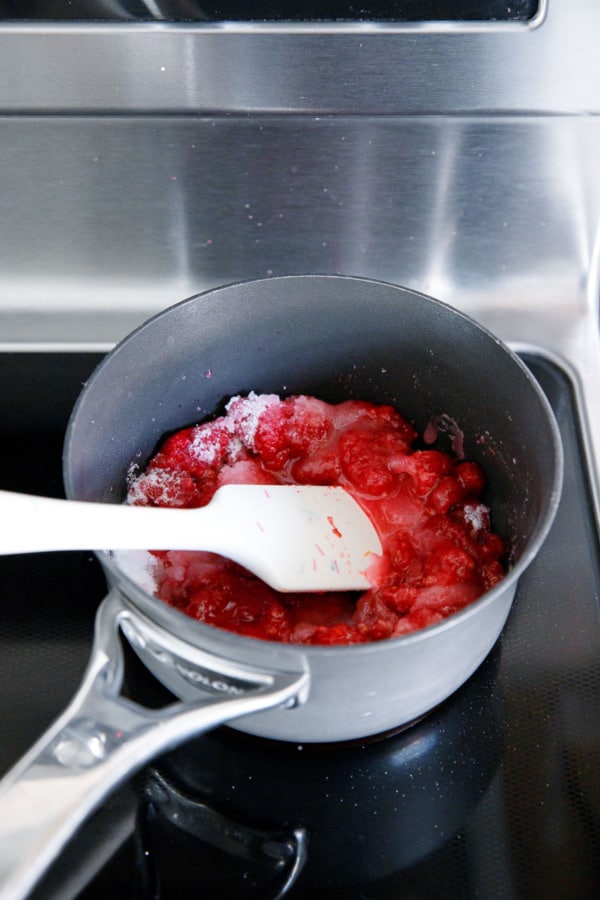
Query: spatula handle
x=31, y=524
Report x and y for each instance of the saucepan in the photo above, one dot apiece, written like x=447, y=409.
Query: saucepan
x=336, y=338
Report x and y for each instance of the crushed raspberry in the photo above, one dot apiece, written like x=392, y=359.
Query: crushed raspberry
x=195, y=450
x=425, y=468
x=471, y=477
x=293, y=429
x=440, y=552
x=172, y=487
x=447, y=494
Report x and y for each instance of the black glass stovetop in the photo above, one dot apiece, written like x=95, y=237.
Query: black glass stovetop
x=496, y=794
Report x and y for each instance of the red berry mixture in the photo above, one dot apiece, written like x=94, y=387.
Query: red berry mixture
x=439, y=551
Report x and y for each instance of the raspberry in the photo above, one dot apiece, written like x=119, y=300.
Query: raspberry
x=425, y=467
x=448, y=564
x=493, y=572
x=471, y=476
x=323, y=467
x=447, y=493
x=222, y=601
x=359, y=414
x=289, y=430
x=492, y=548
x=194, y=450
x=334, y=634
x=167, y=487
x=415, y=620
x=364, y=461
x=373, y=617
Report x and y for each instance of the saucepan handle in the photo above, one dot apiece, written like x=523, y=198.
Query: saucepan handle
x=99, y=740
x=274, y=858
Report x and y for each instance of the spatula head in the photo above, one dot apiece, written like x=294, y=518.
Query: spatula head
x=302, y=538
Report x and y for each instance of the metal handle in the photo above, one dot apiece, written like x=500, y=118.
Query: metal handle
x=281, y=853
x=98, y=741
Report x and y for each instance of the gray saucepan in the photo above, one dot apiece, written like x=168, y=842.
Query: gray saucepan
x=337, y=338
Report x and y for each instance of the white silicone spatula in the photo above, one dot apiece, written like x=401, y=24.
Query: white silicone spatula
x=296, y=538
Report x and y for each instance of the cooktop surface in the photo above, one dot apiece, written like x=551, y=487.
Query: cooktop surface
x=495, y=794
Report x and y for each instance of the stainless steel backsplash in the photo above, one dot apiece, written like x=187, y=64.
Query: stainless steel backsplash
x=141, y=163
x=107, y=219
